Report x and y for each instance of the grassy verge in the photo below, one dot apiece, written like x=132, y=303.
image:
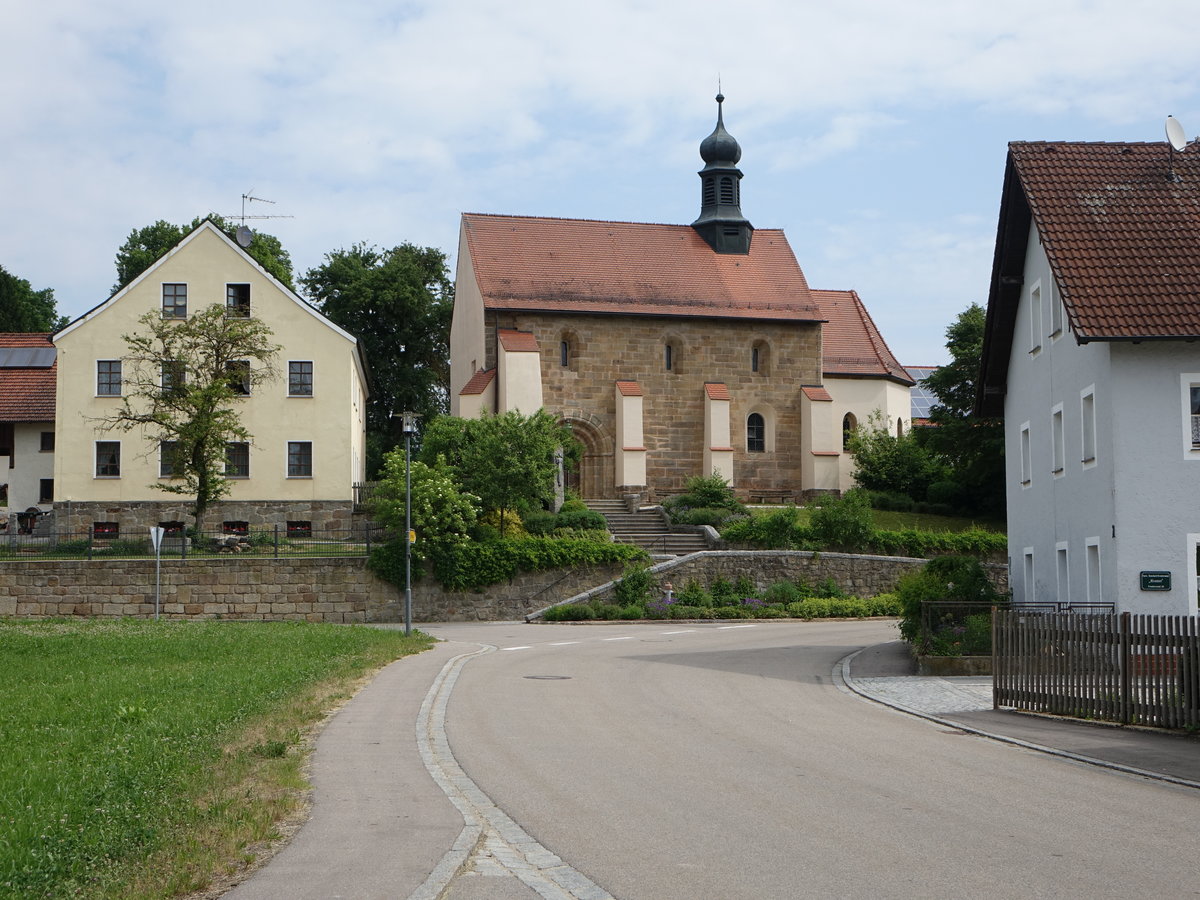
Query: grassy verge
x=888, y=520
x=143, y=759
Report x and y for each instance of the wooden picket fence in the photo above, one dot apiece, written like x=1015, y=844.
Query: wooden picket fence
x=1133, y=669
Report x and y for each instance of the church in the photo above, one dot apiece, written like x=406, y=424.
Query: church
x=671, y=350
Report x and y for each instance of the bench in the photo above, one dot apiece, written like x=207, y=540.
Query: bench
x=771, y=496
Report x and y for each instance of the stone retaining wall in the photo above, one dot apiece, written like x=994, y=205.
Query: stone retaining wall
x=344, y=591
x=314, y=590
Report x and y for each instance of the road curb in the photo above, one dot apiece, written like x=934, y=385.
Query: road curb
x=845, y=682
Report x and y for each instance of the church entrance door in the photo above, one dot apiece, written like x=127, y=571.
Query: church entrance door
x=593, y=480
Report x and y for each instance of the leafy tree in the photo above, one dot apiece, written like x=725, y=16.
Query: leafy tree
x=973, y=446
x=184, y=380
x=145, y=246
x=25, y=310
x=887, y=462
x=398, y=302
x=506, y=460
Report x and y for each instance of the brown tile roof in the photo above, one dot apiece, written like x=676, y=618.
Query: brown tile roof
x=1122, y=237
x=518, y=341
x=478, y=382
x=851, y=344
x=817, y=393
x=628, y=268
x=27, y=394
x=629, y=388
x=716, y=390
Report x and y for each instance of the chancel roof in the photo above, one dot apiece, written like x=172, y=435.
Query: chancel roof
x=851, y=344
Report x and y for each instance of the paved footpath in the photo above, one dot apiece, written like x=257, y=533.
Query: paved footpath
x=883, y=673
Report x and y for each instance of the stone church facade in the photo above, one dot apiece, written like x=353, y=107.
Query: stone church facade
x=671, y=350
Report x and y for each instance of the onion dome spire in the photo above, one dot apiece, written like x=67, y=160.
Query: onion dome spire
x=721, y=222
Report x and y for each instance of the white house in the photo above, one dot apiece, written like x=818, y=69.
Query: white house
x=308, y=424
x=27, y=372
x=1090, y=355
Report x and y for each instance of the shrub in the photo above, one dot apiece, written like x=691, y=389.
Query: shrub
x=958, y=578
x=723, y=591
x=948, y=493
x=703, y=516
x=476, y=565
x=777, y=530
x=580, y=520
x=636, y=586
x=539, y=522
x=693, y=594
x=785, y=592
x=891, y=501
x=844, y=523
x=829, y=588
x=568, y=612
x=703, y=492
x=505, y=522
x=572, y=504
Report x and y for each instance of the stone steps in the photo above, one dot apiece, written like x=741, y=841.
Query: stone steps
x=646, y=529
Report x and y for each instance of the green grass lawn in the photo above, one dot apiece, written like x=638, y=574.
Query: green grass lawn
x=894, y=521
x=141, y=758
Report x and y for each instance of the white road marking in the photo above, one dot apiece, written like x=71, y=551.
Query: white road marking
x=685, y=631
x=506, y=649
x=488, y=836
x=564, y=643
x=628, y=638
x=727, y=627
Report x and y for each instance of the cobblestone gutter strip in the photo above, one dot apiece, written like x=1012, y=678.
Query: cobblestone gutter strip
x=931, y=698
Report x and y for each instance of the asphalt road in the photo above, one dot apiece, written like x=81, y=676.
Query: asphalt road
x=710, y=761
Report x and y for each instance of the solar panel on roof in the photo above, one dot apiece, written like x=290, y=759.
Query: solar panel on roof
x=27, y=357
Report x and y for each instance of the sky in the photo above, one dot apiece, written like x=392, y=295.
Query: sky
x=873, y=132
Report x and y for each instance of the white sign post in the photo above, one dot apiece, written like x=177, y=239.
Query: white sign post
x=156, y=536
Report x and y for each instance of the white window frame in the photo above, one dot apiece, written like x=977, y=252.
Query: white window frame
x=1193, y=574
x=312, y=378
x=120, y=375
x=96, y=460
x=1087, y=426
x=240, y=476
x=287, y=460
x=1187, y=381
x=1058, y=442
x=1094, y=569
x=1062, y=564
x=1035, y=319
x=1056, y=312
x=1026, y=456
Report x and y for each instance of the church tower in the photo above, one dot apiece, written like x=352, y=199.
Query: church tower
x=721, y=222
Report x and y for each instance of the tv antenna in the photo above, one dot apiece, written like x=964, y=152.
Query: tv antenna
x=1177, y=139
x=244, y=234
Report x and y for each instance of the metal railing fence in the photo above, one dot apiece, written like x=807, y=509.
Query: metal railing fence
x=276, y=542
x=1133, y=669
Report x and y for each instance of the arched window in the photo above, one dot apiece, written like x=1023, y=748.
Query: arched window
x=564, y=354
x=849, y=426
x=668, y=357
x=760, y=358
x=727, y=193
x=756, y=434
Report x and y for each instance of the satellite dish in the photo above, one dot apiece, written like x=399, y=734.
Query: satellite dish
x=1175, y=133
x=245, y=235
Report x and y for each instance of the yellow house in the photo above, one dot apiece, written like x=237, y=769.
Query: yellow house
x=308, y=425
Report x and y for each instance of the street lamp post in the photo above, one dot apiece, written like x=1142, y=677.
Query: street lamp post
x=408, y=426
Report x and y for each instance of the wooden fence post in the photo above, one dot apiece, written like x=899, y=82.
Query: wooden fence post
x=1123, y=668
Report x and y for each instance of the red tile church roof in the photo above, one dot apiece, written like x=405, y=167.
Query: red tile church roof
x=586, y=266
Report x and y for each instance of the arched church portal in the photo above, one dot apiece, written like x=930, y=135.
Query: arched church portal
x=593, y=480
